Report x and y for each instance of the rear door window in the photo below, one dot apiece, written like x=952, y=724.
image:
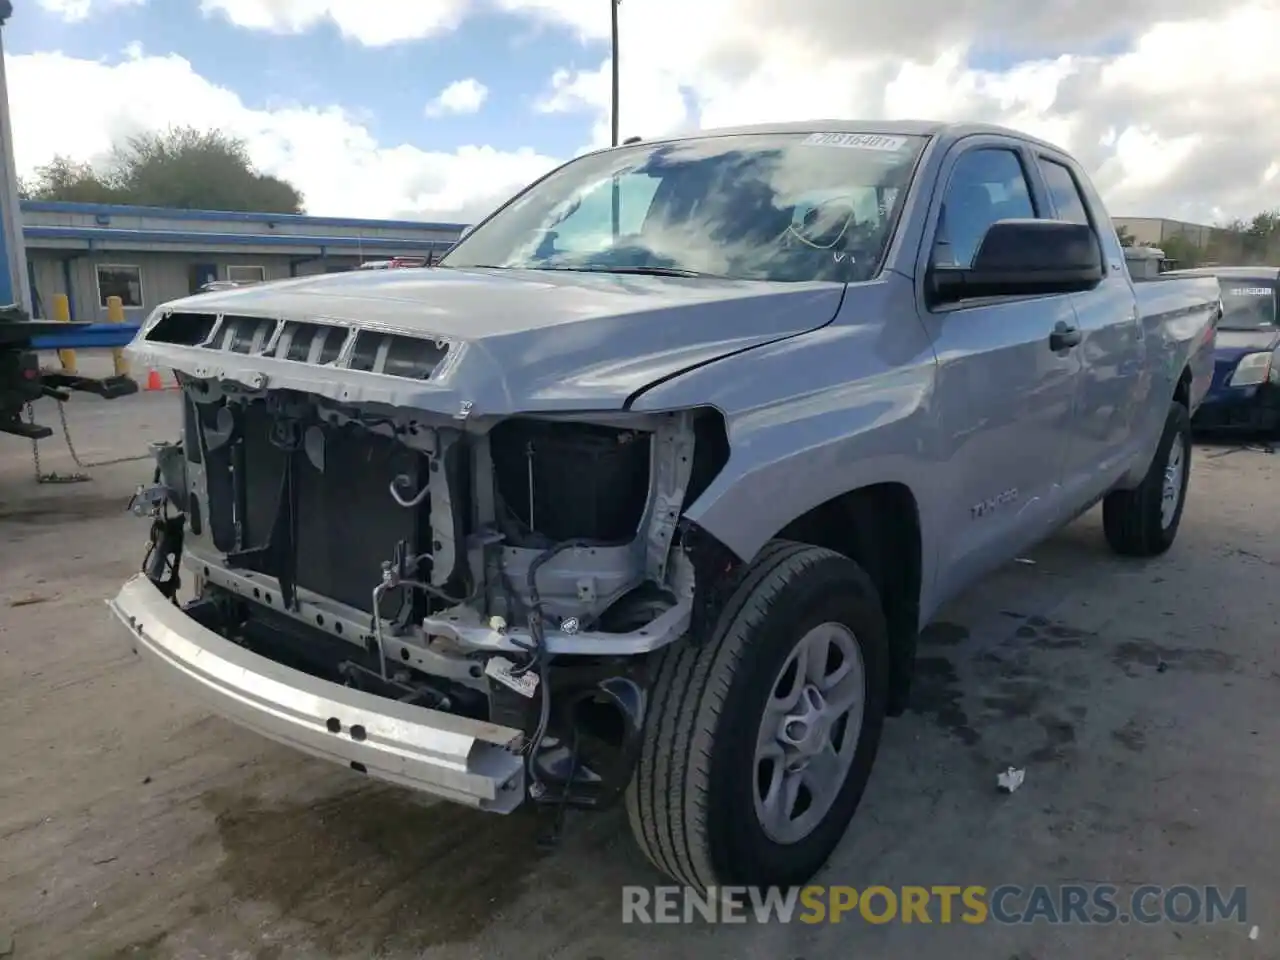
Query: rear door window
x=1064, y=192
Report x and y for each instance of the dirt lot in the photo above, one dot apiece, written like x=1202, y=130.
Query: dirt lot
x=1140, y=698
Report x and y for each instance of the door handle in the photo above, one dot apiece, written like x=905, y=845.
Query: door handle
x=1064, y=337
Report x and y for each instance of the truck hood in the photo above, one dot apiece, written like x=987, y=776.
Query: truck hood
x=1231, y=345
x=509, y=341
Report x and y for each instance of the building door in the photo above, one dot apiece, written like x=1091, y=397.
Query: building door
x=202, y=273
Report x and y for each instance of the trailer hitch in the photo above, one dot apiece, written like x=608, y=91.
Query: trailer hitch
x=109, y=388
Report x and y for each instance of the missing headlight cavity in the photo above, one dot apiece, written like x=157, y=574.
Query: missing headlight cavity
x=570, y=481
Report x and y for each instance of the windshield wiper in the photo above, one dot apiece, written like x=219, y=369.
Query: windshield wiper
x=641, y=271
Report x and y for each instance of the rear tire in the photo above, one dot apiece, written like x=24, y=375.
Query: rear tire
x=704, y=803
x=1144, y=521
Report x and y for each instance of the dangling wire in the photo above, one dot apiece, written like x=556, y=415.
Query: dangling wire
x=844, y=228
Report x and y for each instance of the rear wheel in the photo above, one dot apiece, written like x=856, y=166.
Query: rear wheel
x=761, y=739
x=1144, y=522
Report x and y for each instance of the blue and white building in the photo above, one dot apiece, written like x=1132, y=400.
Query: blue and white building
x=148, y=255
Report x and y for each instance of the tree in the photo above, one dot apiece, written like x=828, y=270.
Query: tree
x=1256, y=240
x=182, y=167
x=1126, y=238
x=65, y=179
x=1183, y=250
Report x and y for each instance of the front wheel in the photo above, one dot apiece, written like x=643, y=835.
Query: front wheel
x=1144, y=521
x=761, y=739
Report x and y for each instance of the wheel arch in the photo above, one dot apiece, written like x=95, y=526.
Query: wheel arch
x=878, y=527
x=1182, y=392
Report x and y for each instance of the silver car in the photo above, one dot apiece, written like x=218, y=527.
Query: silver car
x=645, y=492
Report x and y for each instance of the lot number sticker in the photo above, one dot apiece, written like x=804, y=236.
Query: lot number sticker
x=857, y=141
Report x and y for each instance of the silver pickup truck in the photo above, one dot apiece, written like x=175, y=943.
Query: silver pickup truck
x=645, y=491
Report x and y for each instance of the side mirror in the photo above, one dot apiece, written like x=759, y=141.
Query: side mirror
x=1024, y=258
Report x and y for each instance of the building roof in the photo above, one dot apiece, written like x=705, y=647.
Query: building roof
x=229, y=216
x=97, y=226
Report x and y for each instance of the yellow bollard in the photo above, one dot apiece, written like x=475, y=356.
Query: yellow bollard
x=115, y=314
x=62, y=313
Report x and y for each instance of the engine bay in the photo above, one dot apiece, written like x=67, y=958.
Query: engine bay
x=517, y=571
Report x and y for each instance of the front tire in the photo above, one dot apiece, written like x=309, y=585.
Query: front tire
x=761, y=738
x=1144, y=522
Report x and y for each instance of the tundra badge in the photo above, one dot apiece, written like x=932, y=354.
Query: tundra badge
x=989, y=506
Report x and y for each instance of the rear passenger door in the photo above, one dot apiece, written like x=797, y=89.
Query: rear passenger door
x=1111, y=353
x=1004, y=397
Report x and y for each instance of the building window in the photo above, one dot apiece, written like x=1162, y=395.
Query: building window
x=242, y=274
x=118, y=280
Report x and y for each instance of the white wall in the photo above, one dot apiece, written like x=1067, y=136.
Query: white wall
x=165, y=276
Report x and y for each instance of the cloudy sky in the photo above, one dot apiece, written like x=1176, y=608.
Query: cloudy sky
x=438, y=108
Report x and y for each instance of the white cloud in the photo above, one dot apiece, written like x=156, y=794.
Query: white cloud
x=75, y=11
x=1178, y=124
x=374, y=23
x=333, y=159
x=461, y=96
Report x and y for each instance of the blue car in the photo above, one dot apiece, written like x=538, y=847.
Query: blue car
x=1245, y=392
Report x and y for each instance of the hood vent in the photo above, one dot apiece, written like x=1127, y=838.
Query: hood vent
x=182, y=329
x=390, y=354
x=395, y=355
x=309, y=342
x=245, y=334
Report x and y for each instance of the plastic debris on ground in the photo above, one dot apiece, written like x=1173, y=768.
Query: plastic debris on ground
x=1010, y=780
x=1253, y=932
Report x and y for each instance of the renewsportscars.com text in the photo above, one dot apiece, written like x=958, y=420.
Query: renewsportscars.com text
x=940, y=904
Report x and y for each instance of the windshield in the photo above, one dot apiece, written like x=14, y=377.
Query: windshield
x=1248, y=304
x=792, y=207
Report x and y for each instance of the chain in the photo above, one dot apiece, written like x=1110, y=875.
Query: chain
x=82, y=476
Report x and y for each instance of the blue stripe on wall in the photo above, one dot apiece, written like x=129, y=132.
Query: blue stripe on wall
x=106, y=236
x=228, y=216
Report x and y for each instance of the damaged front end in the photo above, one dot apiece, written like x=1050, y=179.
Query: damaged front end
x=381, y=584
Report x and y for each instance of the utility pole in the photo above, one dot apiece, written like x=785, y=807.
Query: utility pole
x=613, y=10
x=617, y=199
x=14, y=285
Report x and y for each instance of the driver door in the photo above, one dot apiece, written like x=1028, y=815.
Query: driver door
x=1004, y=399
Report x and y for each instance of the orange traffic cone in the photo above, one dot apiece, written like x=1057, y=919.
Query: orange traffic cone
x=153, y=381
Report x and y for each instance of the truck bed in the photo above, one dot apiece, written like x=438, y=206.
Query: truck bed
x=1173, y=309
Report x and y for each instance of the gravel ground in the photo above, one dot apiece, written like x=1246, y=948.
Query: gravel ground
x=1139, y=698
